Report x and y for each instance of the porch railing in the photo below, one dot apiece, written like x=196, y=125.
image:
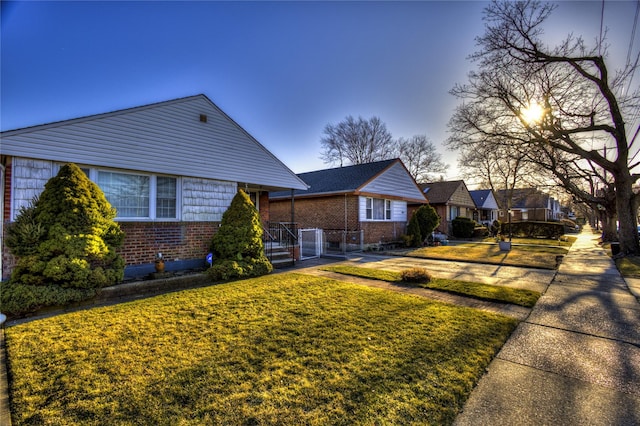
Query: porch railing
x=279, y=237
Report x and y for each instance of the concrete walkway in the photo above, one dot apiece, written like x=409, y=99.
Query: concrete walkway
x=576, y=359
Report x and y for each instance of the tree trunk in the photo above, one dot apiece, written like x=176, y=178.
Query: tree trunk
x=609, y=227
x=628, y=231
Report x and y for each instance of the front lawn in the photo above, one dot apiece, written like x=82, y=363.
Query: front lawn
x=494, y=293
x=629, y=266
x=531, y=256
x=281, y=349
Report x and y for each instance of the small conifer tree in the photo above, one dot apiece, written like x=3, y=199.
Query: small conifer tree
x=77, y=242
x=238, y=251
x=427, y=219
x=413, y=232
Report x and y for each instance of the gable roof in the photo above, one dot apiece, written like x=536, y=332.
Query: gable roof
x=440, y=192
x=484, y=198
x=387, y=177
x=184, y=137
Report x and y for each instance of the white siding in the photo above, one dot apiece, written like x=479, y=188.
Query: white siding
x=398, y=210
x=396, y=182
x=28, y=178
x=165, y=138
x=206, y=200
x=202, y=199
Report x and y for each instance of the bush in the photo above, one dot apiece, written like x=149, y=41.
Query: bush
x=530, y=229
x=66, y=239
x=18, y=299
x=414, y=236
x=237, y=246
x=428, y=220
x=462, y=227
x=480, y=232
x=416, y=275
x=496, y=228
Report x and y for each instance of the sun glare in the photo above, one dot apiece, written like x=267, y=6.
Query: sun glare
x=533, y=113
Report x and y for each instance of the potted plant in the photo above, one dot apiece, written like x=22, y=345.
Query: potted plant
x=159, y=263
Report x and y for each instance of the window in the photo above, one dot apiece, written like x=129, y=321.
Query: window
x=137, y=196
x=166, y=197
x=128, y=194
x=378, y=209
x=454, y=212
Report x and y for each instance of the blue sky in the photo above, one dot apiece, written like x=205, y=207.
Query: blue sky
x=282, y=70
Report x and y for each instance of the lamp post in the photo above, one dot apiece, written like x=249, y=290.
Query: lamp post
x=509, y=211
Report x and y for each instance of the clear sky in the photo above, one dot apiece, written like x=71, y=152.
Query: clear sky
x=282, y=70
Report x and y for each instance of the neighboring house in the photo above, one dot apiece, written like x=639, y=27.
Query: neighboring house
x=371, y=200
x=450, y=199
x=528, y=204
x=170, y=169
x=486, y=206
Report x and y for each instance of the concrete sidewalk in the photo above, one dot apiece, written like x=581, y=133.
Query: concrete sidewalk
x=576, y=359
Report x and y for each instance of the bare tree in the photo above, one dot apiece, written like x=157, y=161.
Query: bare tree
x=421, y=158
x=579, y=108
x=356, y=141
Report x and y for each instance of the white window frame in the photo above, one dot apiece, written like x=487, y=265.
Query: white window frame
x=387, y=212
x=93, y=176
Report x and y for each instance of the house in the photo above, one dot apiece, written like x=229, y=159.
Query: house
x=486, y=206
x=450, y=199
x=362, y=205
x=170, y=169
x=528, y=204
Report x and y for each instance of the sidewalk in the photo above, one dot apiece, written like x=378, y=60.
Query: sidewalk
x=575, y=360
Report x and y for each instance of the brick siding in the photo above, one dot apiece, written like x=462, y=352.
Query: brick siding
x=328, y=213
x=175, y=240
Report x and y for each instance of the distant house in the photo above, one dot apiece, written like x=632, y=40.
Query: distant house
x=170, y=169
x=486, y=206
x=450, y=199
x=366, y=204
x=529, y=204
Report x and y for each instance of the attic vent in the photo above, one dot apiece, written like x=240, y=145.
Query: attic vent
x=203, y=118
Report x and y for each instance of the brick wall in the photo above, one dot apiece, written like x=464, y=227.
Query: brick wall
x=328, y=213
x=6, y=214
x=383, y=232
x=175, y=240
x=322, y=212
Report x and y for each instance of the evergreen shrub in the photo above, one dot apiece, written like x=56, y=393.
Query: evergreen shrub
x=422, y=223
x=66, y=239
x=238, y=251
x=428, y=220
x=414, y=236
x=462, y=227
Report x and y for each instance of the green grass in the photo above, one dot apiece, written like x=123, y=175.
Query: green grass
x=280, y=349
x=629, y=266
x=482, y=291
x=532, y=256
